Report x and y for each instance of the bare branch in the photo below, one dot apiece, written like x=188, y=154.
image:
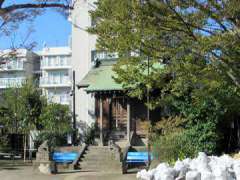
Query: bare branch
x=15, y=7
x=1, y=2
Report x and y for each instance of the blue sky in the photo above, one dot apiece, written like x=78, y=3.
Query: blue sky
x=50, y=27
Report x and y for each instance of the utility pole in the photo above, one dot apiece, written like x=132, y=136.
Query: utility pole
x=74, y=110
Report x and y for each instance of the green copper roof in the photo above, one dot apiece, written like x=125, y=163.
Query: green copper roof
x=100, y=79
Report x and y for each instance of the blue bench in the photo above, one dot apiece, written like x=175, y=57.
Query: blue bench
x=138, y=158
x=64, y=157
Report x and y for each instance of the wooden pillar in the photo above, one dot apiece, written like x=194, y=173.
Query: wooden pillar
x=128, y=121
x=101, y=122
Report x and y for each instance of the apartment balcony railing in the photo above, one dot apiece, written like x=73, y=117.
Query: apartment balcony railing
x=103, y=55
x=11, y=82
x=61, y=99
x=17, y=66
x=55, y=82
x=56, y=63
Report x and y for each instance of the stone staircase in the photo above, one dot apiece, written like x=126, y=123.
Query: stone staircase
x=100, y=159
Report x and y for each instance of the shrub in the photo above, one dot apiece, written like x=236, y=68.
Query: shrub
x=169, y=148
x=187, y=143
x=89, y=135
x=53, y=139
x=4, y=143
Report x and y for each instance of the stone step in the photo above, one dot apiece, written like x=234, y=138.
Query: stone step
x=99, y=155
x=100, y=164
x=109, y=153
x=100, y=158
x=94, y=158
x=98, y=147
x=107, y=170
x=99, y=152
x=101, y=167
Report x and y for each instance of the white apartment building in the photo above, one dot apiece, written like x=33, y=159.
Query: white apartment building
x=83, y=46
x=17, y=66
x=56, y=74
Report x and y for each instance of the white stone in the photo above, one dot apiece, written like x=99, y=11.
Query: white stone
x=236, y=169
x=44, y=168
x=201, y=168
x=193, y=175
x=206, y=175
x=181, y=168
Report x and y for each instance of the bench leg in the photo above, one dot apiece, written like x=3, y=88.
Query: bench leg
x=54, y=167
x=124, y=168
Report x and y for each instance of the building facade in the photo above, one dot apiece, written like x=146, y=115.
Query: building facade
x=17, y=66
x=56, y=74
x=83, y=46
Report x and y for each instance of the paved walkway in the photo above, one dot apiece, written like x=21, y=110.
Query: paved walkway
x=100, y=176
x=28, y=173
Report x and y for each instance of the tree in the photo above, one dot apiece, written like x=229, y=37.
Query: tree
x=179, y=31
x=12, y=15
x=23, y=109
x=57, y=124
x=198, y=45
x=56, y=118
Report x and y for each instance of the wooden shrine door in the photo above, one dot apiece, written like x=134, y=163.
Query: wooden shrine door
x=118, y=120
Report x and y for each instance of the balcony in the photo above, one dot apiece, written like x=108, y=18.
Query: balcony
x=11, y=82
x=61, y=99
x=55, y=63
x=12, y=66
x=103, y=55
x=60, y=81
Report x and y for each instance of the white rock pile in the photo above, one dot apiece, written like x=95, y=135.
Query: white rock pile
x=201, y=168
x=44, y=168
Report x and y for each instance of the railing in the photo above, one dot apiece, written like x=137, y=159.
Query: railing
x=12, y=65
x=55, y=81
x=57, y=62
x=80, y=155
x=11, y=82
x=61, y=99
x=102, y=55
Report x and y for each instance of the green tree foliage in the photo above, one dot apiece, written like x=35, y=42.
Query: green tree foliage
x=21, y=108
x=185, y=33
x=56, y=118
x=24, y=109
x=197, y=44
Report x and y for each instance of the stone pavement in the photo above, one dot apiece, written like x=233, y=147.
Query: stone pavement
x=28, y=173
x=100, y=176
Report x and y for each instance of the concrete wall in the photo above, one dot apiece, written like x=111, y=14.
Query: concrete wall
x=82, y=45
x=32, y=66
